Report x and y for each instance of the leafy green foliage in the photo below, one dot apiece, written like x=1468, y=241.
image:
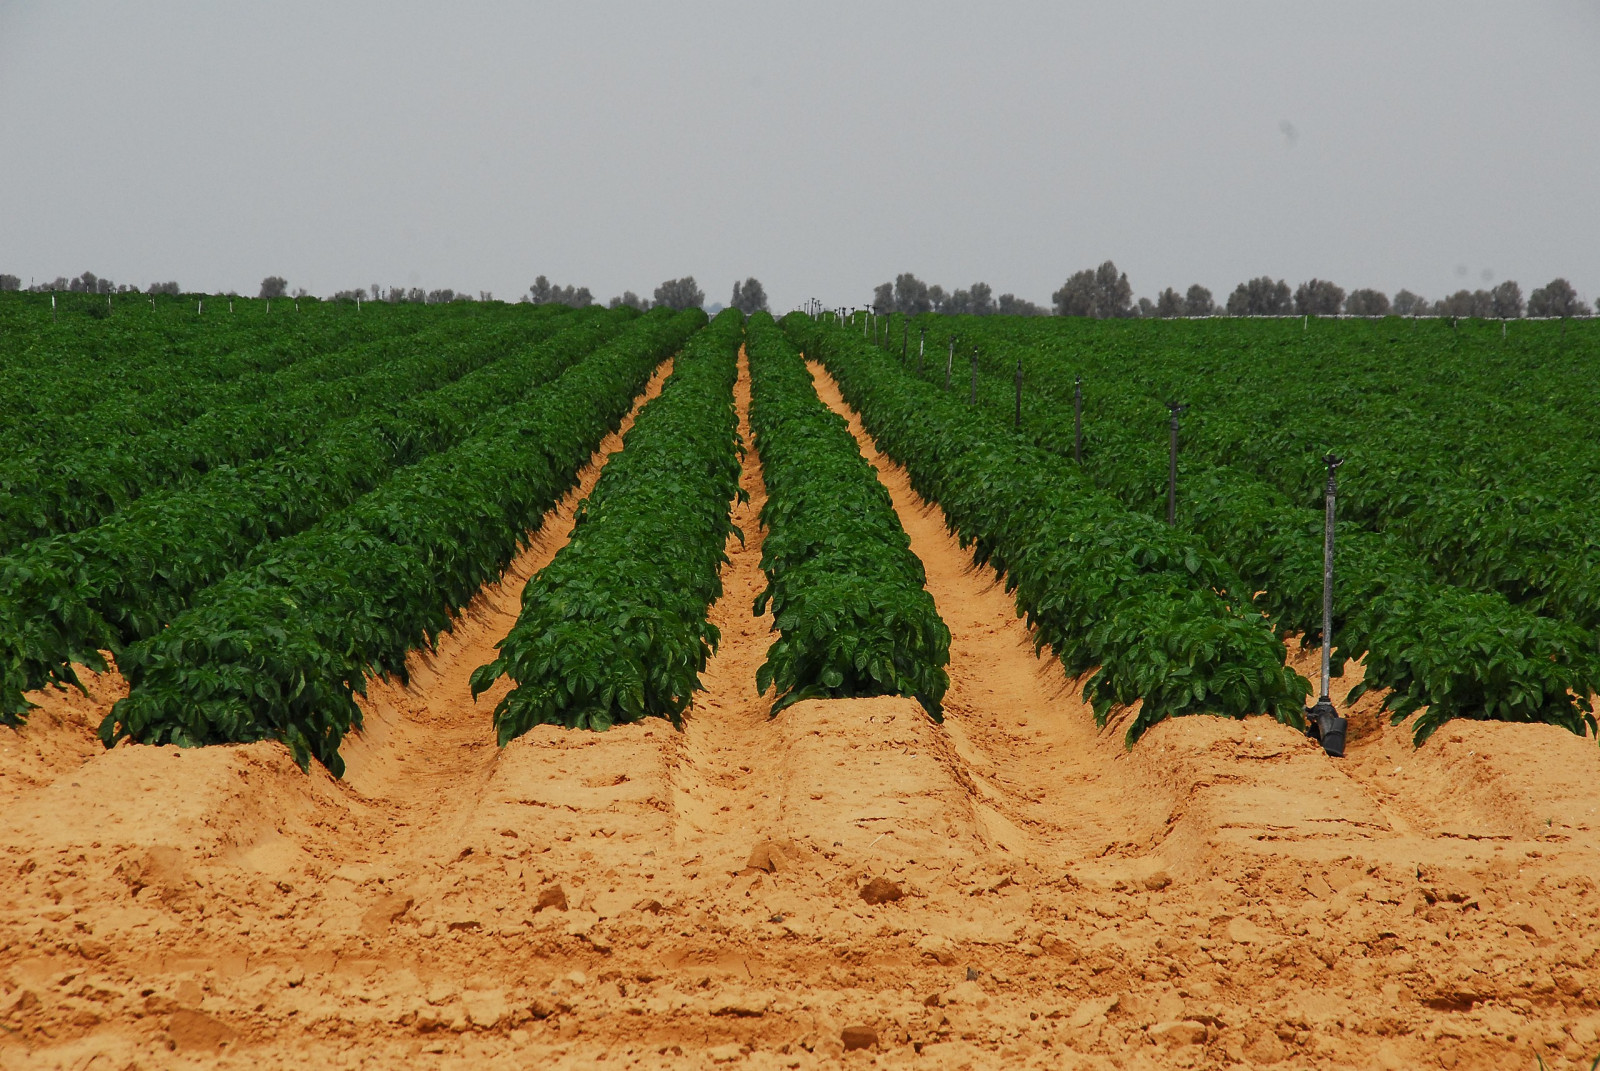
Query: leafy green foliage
x=80, y=481
x=280, y=649
x=1456, y=652
x=78, y=384
x=614, y=629
x=69, y=596
x=846, y=592
x=1164, y=619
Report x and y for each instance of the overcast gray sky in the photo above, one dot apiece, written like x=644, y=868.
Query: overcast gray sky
x=822, y=147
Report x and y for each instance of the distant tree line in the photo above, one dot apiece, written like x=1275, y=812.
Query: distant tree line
x=544, y=292
x=87, y=283
x=394, y=295
x=911, y=295
x=684, y=293
x=1317, y=297
x=1105, y=293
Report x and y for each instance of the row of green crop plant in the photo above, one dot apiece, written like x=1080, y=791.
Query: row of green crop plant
x=847, y=594
x=64, y=383
x=1430, y=644
x=114, y=400
x=1167, y=622
x=75, y=487
x=1508, y=409
x=65, y=598
x=57, y=406
x=614, y=629
x=1475, y=459
x=280, y=649
x=1471, y=455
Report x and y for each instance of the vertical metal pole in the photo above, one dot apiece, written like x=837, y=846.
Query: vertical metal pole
x=1333, y=464
x=950, y=362
x=1077, y=419
x=922, y=349
x=1322, y=720
x=973, y=398
x=1172, y=466
x=1017, y=423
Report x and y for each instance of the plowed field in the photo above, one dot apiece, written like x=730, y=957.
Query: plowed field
x=847, y=882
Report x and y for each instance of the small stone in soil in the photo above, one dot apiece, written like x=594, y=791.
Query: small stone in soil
x=880, y=890
x=859, y=1037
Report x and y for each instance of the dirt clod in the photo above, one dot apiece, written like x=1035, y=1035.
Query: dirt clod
x=385, y=913
x=881, y=891
x=859, y=1037
x=767, y=856
x=196, y=1031
x=556, y=897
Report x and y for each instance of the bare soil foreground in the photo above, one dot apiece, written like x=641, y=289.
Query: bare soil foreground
x=847, y=883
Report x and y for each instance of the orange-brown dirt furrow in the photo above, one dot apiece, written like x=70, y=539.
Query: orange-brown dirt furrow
x=845, y=883
x=1398, y=907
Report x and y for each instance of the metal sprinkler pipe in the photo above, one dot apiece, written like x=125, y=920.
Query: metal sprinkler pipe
x=1322, y=720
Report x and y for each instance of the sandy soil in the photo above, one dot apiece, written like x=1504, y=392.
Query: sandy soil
x=844, y=883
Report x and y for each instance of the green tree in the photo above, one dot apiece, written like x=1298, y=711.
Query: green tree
x=1260, y=297
x=1366, y=302
x=1102, y=293
x=1505, y=301
x=749, y=296
x=1318, y=297
x=680, y=294
x=1197, y=302
x=1557, y=298
x=1408, y=304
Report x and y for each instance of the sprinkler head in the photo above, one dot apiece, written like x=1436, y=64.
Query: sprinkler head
x=1324, y=724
